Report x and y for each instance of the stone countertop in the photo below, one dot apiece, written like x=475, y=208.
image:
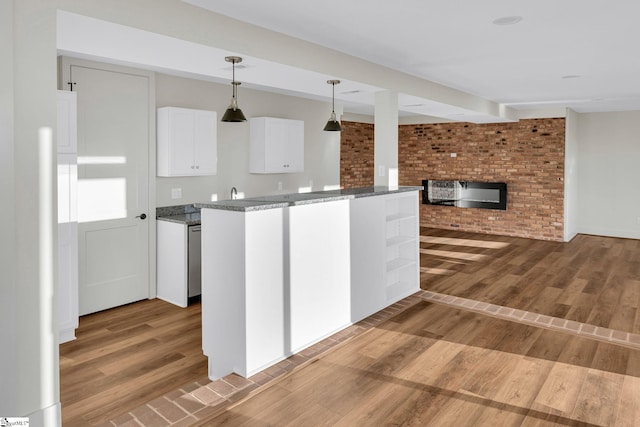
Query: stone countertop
x=297, y=199
x=182, y=214
x=185, y=218
x=242, y=205
x=356, y=193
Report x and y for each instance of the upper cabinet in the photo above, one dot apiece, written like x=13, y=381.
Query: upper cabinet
x=67, y=122
x=187, y=142
x=276, y=145
x=67, y=311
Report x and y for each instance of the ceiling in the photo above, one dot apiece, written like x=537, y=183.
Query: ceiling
x=580, y=54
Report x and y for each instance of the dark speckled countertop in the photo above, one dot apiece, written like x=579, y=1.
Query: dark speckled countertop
x=189, y=219
x=297, y=199
x=183, y=214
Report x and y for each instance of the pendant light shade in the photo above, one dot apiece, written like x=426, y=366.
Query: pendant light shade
x=234, y=113
x=333, y=125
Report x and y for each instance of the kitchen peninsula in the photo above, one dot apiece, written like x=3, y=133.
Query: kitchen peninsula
x=280, y=273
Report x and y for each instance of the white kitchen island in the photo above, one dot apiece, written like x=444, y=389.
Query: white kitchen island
x=280, y=273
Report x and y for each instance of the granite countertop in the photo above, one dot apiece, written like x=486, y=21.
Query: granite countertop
x=242, y=205
x=297, y=199
x=356, y=193
x=186, y=218
x=183, y=214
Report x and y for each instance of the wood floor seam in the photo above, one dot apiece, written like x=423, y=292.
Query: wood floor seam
x=537, y=333
x=202, y=400
x=581, y=329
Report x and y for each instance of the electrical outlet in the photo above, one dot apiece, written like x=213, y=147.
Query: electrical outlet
x=638, y=220
x=176, y=193
x=279, y=185
x=381, y=170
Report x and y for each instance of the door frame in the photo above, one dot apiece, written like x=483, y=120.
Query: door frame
x=64, y=67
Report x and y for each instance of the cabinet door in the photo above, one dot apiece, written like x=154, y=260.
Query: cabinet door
x=67, y=147
x=172, y=265
x=181, y=137
x=67, y=140
x=205, y=145
x=367, y=231
x=275, y=145
x=293, y=150
x=67, y=248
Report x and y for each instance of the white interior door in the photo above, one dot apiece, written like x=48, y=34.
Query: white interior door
x=113, y=152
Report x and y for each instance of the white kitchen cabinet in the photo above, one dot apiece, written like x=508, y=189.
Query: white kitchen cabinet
x=172, y=265
x=402, y=227
x=67, y=141
x=244, y=320
x=276, y=145
x=67, y=217
x=319, y=271
x=178, y=266
x=187, y=142
x=278, y=279
x=385, y=246
x=368, y=251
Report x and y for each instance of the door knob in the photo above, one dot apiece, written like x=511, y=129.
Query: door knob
x=142, y=216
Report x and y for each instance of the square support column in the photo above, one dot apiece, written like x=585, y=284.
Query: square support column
x=386, y=139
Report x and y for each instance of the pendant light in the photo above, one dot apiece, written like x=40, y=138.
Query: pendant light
x=233, y=113
x=333, y=125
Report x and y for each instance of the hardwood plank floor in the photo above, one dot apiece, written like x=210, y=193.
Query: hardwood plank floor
x=431, y=365
x=437, y=365
x=127, y=356
x=590, y=279
x=468, y=375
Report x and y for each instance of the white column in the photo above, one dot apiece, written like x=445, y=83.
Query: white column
x=9, y=355
x=29, y=371
x=386, y=139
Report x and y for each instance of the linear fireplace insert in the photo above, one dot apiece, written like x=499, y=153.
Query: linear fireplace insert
x=465, y=194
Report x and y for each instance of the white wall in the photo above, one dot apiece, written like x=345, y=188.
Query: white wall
x=609, y=173
x=571, y=188
x=33, y=66
x=322, y=149
x=29, y=371
x=8, y=338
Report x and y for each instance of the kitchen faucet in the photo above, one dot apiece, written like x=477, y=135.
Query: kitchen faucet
x=234, y=193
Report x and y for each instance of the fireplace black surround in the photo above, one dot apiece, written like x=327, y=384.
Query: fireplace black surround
x=465, y=194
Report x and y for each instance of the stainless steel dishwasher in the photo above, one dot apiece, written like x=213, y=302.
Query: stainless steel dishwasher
x=195, y=264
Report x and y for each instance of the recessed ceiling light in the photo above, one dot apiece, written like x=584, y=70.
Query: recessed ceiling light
x=571, y=76
x=413, y=105
x=507, y=20
x=350, y=92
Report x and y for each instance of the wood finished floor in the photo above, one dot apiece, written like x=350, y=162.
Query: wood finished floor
x=433, y=365
x=127, y=356
x=591, y=279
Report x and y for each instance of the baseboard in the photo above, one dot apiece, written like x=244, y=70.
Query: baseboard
x=608, y=232
x=66, y=335
x=46, y=417
x=569, y=236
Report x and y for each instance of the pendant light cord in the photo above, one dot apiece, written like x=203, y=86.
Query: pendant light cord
x=233, y=80
x=333, y=97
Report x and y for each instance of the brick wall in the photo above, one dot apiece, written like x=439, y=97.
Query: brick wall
x=528, y=156
x=356, y=155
